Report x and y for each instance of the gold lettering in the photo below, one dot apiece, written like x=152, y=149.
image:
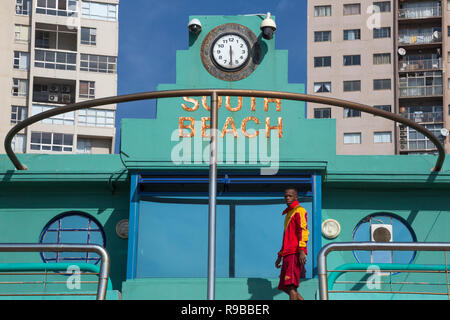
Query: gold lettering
x=279, y=127
x=267, y=101
x=225, y=129
x=228, y=104
x=253, y=104
x=205, y=126
x=205, y=103
x=244, y=124
x=182, y=126
x=191, y=100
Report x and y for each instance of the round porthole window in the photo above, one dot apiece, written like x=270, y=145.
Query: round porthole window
x=72, y=227
x=384, y=227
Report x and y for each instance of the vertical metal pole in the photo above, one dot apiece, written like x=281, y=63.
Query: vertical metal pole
x=212, y=199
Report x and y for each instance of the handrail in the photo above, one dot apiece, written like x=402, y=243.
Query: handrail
x=219, y=92
x=17, y=267
x=368, y=246
x=104, y=257
x=392, y=267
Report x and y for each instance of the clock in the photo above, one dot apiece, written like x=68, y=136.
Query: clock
x=230, y=52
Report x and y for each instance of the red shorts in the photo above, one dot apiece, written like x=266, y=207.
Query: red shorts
x=291, y=272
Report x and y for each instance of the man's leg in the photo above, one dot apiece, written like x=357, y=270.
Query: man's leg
x=293, y=294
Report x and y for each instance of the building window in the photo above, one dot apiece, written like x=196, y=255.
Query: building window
x=383, y=107
x=67, y=118
x=96, y=118
x=351, y=113
x=93, y=63
x=20, y=87
x=322, y=61
x=353, y=85
x=322, y=36
x=352, y=8
x=72, y=227
x=381, y=58
x=87, y=89
x=21, y=33
x=89, y=36
x=101, y=11
x=352, y=60
x=352, y=34
x=18, y=114
x=55, y=60
x=382, y=137
x=84, y=146
x=50, y=141
x=322, y=113
x=383, y=6
x=382, y=84
x=383, y=32
x=42, y=39
x=18, y=143
x=352, y=138
x=63, y=8
x=322, y=11
x=322, y=87
x=23, y=7
x=395, y=228
x=21, y=60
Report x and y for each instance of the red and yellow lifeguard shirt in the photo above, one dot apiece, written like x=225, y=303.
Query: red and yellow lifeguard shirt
x=295, y=236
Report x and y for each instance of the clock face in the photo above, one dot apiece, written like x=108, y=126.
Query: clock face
x=230, y=52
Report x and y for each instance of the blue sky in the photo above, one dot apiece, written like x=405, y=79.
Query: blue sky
x=150, y=33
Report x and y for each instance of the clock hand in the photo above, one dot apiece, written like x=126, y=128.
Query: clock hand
x=231, y=57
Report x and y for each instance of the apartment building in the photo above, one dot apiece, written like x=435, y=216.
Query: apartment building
x=391, y=55
x=56, y=52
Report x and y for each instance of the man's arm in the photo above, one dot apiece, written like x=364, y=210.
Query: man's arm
x=303, y=233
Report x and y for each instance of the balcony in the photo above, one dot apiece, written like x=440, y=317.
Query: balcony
x=58, y=60
x=421, y=91
x=413, y=141
x=420, y=12
x=421, y=117
x=62, y=8
x=420, y=38
x=419, y=64
x=53, y=91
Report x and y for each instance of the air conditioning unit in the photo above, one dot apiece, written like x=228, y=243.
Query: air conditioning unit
x=54, y=88
x=381, y=232
x=53, y=98
x=66, y=89
x=66, y=98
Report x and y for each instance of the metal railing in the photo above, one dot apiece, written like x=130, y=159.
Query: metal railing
x=420, y=38
x=420, y=12
x=424, y=116
x=103, y=274
x=421, y=91
x=419, y=64
x=326, y=283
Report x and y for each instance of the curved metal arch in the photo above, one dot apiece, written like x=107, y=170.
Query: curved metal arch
x=219, y=92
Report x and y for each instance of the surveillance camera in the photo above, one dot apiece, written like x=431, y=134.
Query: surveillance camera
x=195, y=26
x=268, y=27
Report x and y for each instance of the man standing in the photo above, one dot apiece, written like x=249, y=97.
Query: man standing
x=293, y=251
